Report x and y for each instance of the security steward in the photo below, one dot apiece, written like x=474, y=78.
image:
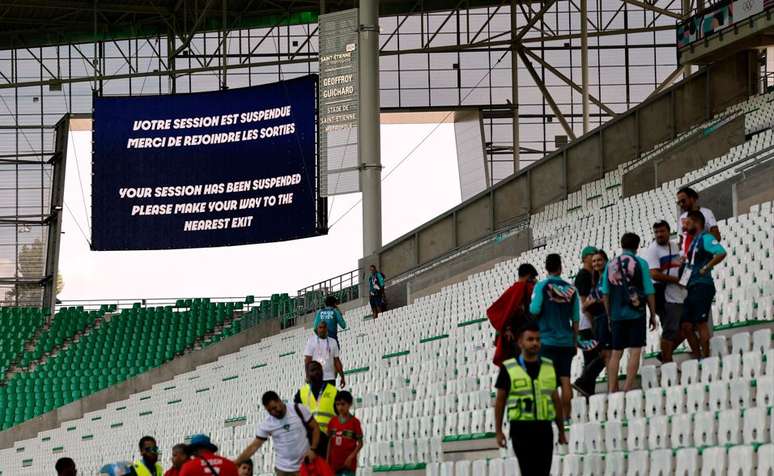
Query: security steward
x=148, y=464
x=526, y=385
x=319, y=398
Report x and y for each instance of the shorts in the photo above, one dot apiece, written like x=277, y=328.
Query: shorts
x=670, y=319
x=561, y=357
x=602, y=332
x=629, y=334
x=279, y=472
x=698, y=303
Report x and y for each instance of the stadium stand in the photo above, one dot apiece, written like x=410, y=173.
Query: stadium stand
x=422, y=373
x=121, y=346
x=19, y=325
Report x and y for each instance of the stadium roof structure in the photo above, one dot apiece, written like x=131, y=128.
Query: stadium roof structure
x=526, y=76
x=35, y=23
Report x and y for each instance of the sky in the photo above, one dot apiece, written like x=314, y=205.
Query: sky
x=421, y=184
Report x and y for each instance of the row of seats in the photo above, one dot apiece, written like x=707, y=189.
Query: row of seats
x=19, y=325
x=66, y=323
x=710, y=461
x=124, y=345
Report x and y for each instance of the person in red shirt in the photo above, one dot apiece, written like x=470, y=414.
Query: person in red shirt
x=510, y=312
x=345, y=437
x=179, y=458
x=204, y=461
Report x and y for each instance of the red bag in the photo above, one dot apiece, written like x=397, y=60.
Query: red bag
x=318, y=467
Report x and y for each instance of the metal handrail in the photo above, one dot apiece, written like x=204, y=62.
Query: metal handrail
x=121, y=303
x=312, y=298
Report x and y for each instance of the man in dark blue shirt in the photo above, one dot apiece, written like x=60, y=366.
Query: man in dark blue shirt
x=704, y=253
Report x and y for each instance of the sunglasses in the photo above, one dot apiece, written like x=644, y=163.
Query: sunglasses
x=151, y=449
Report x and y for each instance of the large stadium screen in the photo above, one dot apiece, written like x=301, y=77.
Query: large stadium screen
x=206, y=169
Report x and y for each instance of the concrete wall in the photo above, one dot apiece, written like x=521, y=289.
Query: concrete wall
x=753, y=187
x=694, y=153
x=736, y=195
x=471, y=156
x=142, y=382
x=457, y=268
x=720, y=199
x=692, y=156
x=622, y=139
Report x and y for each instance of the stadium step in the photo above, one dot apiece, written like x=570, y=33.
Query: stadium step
x=74, y=339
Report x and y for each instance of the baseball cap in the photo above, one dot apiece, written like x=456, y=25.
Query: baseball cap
x=589, y=250
x=202, y=441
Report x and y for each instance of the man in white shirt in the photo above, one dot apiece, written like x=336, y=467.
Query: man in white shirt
x=664, y=261
x=324, y=350
x=288, y=429
x=687, y=200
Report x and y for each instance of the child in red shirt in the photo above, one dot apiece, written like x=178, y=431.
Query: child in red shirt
x=345, y=437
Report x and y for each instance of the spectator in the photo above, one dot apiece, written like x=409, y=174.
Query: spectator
x=626, y=286
x=65, y=467
x=325, y=350
x=148, y=464
x=594, y=337
x=245, y=467
x=345, y=437
x=510, y=312
x=688, y=200
x=556, y=308
x=376, y=291
x=664, y=261
x=703, y=255
x=179, y=457
x=527, y=385
x=288, y=431
x=319, y=397
x=332, y=317
x=204, y=460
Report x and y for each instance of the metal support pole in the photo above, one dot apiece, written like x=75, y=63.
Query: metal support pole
x=57, y=207
x=224, y=47
x=686, y=10
x=370, y=160
x=172, y=86
x=514, y=87
x=584, y=12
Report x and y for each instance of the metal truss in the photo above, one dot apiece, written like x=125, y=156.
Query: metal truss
x=541, y=73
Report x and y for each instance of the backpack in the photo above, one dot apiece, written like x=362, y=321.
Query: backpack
x=635, y=294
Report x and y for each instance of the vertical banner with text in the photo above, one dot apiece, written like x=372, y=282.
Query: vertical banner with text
x=339, y=103
x=206, y=169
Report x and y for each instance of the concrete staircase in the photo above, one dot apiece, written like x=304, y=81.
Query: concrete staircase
x=200, y=341
x=13, y=370
x=28, y=346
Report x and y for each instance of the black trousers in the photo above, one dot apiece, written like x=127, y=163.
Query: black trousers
x=593, y=365
x=533, y=443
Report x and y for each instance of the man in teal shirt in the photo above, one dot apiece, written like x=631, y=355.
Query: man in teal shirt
x=627, y=287
x=332, y=317
x=704, y=253
x=556, y=308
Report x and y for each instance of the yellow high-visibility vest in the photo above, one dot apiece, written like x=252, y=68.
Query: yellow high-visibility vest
x=322, y=410
x=530, y=400
x=142, y=470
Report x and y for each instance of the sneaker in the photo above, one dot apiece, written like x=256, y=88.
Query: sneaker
x=580, y=389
